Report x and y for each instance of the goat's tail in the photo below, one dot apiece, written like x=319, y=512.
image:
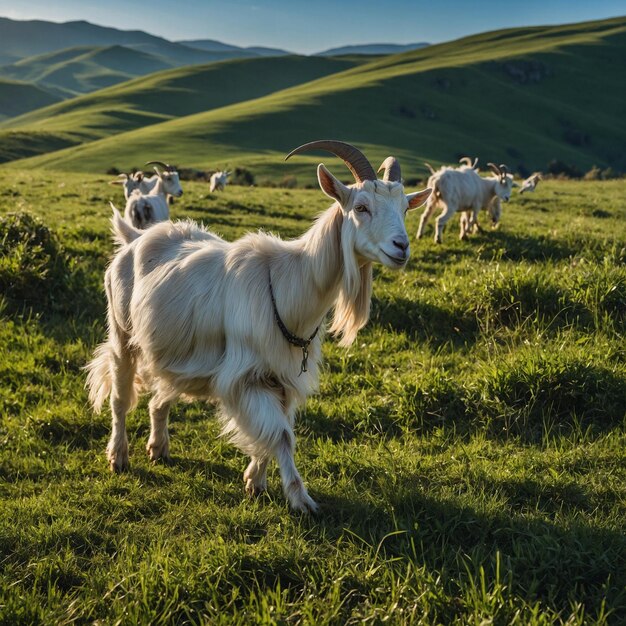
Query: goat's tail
x=123, y=232
x=99, y=379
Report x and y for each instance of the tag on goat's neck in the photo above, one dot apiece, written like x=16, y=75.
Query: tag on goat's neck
x=303, y=365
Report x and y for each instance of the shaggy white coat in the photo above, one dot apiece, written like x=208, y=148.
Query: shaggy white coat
x=190, y=314
x=464, y=190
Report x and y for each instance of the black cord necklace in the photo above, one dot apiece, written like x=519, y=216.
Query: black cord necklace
x=289, y=336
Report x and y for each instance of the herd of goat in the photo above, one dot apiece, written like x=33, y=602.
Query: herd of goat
x=241, y=323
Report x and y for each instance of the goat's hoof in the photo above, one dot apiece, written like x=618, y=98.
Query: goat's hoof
x=159, y=452
x=254, y=490
x=118, y=458
x=306, y=505
x=118, y=466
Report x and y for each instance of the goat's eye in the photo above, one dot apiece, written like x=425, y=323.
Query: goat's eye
x=361, y=208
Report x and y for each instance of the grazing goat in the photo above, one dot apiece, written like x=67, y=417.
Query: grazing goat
x=464, y=190
x=242, y=323
x=128, y=182
x=530, y=184
x=218, y=181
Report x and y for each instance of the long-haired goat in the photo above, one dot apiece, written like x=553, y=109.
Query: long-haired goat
x=146, y=208
x=464, y=190
x=193, y=315
x=218, y=181
x=531, y=182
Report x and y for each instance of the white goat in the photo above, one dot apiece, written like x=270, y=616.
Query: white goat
x=464, y=190
x=146, y=208
x=191, y=314
x=530, y=184
x=128, y=182
x=218, y=181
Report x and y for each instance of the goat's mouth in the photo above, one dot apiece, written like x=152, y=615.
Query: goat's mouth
x=396, y=260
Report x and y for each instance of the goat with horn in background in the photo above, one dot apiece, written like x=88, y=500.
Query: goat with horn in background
x=242, y=323
x=464, y=190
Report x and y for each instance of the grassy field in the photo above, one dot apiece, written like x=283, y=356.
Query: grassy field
x=512, y=96
x=468, y=451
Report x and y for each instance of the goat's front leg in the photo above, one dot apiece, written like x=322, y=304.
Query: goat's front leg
x=255, y=476
x=440, y=222
x=294, y=488
x=158, y=446
x=256, y=420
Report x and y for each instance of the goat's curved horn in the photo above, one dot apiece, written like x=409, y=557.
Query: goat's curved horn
x=165, y=166
x=475, y=163
x=494, y=168
x=430, y=167
x=122, y=175
x=466, y=161
x=392, y=170
x=504, y=169
x=355, y=160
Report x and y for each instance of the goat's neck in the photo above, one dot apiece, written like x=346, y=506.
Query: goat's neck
x=308, y=275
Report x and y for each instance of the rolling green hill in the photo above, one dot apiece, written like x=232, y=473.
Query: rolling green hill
x=158, y=97
x=520, y=96
x=17, y=97
x=80, y=70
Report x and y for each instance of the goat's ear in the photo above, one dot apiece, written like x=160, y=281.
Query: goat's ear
x=418, y=198
x=331, y=186
x=117, y=182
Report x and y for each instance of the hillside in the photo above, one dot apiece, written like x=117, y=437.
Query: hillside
x=210, y=45
x=22, y=39
x=18, y=97
x=513, y=96
x=372, y=49
x=158, y=97
x=85, y=68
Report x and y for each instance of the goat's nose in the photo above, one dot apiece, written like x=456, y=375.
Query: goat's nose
x=402, y=243
x=180, y=193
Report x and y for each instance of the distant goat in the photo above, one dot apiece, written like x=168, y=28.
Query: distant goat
x=219, y=181
x=530, y=184
x=129, y=182
x=144, y=209
x=464, y=190
x=242, y=323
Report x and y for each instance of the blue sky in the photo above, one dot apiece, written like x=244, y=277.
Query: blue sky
x=311, y=25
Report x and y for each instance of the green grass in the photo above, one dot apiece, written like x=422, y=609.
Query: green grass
x=467, y=451
x=428, y=104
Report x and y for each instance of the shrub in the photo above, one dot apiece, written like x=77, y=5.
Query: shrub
x=288, y=182
x=33, y=265
x=242, y=176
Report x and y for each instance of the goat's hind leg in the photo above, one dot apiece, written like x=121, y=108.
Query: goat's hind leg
x=122, y=399
x=158, y=446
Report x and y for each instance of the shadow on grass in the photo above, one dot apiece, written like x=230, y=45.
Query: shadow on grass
x=530, y=399
x=539, y=560
x=424, y=322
